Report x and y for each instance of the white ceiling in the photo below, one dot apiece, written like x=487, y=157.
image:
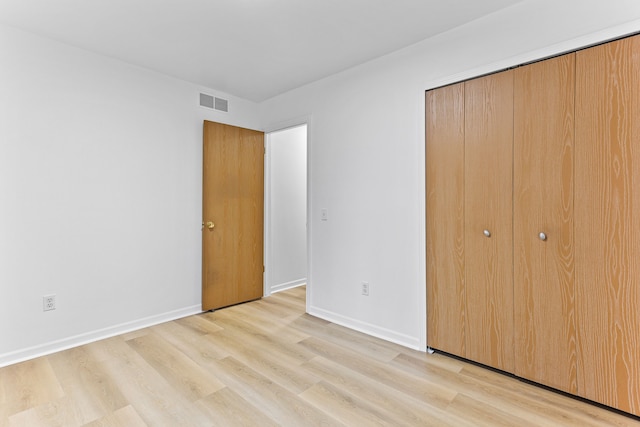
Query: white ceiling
x=254, y=49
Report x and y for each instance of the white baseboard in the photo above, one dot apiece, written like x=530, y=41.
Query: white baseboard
x=288, y=285
x=88, y=337
x=367, y=328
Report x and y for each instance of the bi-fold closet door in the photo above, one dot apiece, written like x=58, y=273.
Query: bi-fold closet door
x=469, y=155
x=543, y=196
x=577, y=223
x=488, y=225
x=607, y=223
x=533, y=222
x=500, y=221
x=445, y=219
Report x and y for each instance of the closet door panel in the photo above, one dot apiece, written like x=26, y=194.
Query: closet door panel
x=488, y=210
x=445, y=218
x=545, y=335
x=607, y=223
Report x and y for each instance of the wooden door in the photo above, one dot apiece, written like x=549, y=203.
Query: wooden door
x=445, y=218
x=233, y=192
x=488, y=220
x=545, y=336
x=607, y=223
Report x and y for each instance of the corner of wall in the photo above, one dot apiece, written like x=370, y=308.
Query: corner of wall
x=367, y=328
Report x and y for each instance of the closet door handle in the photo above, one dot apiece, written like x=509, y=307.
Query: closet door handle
x=487, y=233
x=542, y=236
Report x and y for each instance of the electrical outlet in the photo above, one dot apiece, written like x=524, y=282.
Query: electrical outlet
x=48, y=303
x=365, y=288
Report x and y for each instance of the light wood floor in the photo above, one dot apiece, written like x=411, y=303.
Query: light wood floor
x=266, y=363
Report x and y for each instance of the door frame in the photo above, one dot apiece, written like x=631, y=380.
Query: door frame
x=276, y=127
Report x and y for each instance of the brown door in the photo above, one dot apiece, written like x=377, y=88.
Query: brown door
x=445, y=218
x=488, y=227
x=607, y=223
x=232, y=212
x=545, y=335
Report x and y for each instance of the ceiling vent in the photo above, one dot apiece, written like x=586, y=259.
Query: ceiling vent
x=215, y=103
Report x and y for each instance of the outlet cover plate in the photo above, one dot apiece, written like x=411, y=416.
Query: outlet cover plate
x=365, y=289
x=48, y=302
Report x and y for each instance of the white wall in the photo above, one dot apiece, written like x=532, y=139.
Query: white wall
x=367, y=154
x=100, y=194
x=287, y=208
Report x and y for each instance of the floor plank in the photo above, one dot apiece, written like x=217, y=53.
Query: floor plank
x=124, y=417
x=28, y=384
x=227, y=408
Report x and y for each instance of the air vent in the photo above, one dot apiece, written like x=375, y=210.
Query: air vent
x=215, y=103
x=222, y=105
x=206, y=100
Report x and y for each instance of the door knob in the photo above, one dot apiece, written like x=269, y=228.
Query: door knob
x=487, y=233
x=542, y=236
x=210, y=225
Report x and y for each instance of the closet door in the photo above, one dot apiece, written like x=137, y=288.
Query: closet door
x=607, y=223
x=445, y=218
x=488, y=220
x=545, y=335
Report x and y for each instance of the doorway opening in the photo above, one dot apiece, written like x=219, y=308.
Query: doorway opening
x=286, y=258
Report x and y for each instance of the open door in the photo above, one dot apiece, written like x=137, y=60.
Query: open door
x=232, y=214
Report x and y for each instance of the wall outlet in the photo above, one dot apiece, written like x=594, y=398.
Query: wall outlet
x=48, y=303
x=365, y=288
x=324, y=215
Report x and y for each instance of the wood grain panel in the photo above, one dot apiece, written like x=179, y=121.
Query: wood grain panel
x=445, y=218
x=607, y=223
x=545, y=335
x=233, y=196
x=488, y=206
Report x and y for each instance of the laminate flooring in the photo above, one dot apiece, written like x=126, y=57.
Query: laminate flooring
x=267, y=363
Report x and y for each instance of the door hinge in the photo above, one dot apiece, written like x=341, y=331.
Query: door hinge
x=263, y=269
